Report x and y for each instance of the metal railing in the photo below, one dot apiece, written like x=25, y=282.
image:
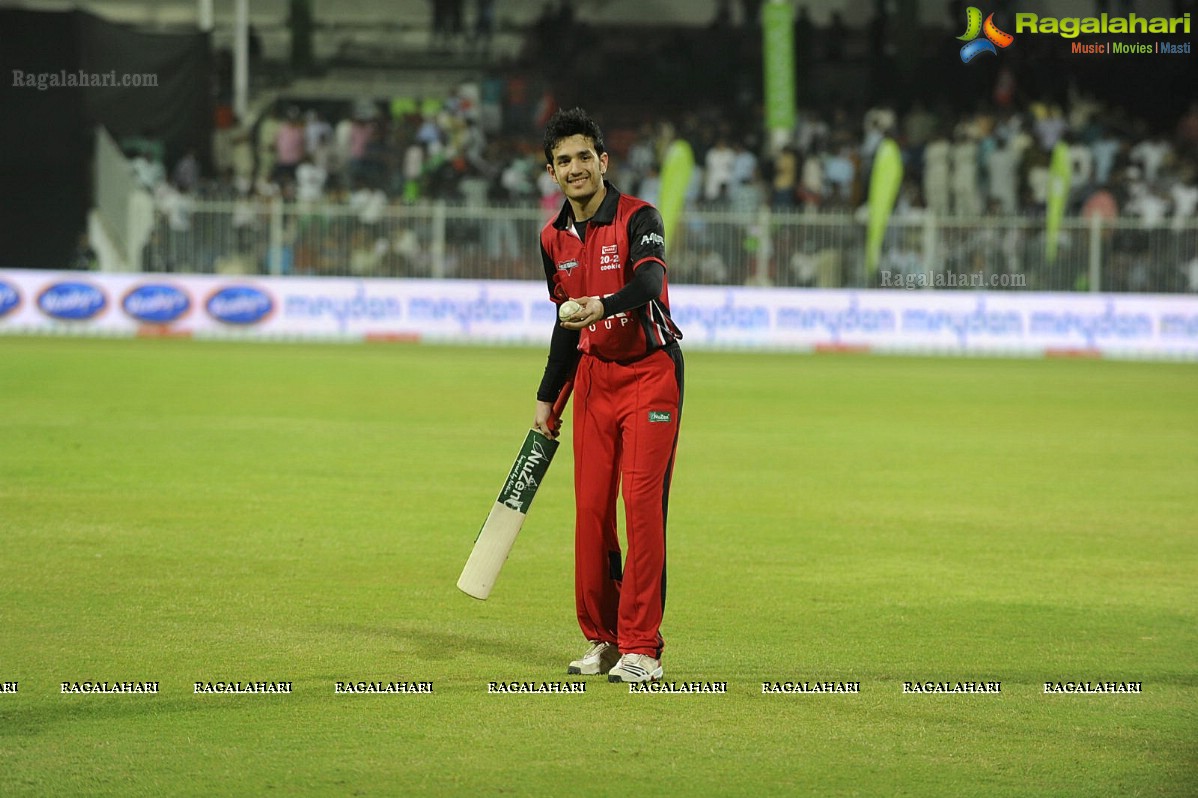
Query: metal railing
x=444, y=240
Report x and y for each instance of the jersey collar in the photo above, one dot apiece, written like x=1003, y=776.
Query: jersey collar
x=605, y=215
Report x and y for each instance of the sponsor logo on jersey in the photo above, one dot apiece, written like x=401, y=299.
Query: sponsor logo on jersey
x=567, y=266
x=659, y=417
x=609, y=258
x=652, y=238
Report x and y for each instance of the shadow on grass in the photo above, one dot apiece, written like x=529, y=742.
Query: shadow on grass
x=44, y=716
x=434, y=645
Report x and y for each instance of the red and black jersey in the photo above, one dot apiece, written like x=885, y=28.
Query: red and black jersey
x=625, y=233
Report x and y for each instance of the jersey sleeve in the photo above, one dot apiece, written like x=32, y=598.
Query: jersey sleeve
x=547, y=262
x=644, y=287
x=559, y=365
x=646, y=237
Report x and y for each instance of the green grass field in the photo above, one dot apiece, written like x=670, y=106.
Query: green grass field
x=183, y=511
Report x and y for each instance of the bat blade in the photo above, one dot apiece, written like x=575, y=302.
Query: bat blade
x=490, y=551
x=499, y=531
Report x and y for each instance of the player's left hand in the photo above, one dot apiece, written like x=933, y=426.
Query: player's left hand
x=590, y=312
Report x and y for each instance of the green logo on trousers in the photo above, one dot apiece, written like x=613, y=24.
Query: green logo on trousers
x=659, y=416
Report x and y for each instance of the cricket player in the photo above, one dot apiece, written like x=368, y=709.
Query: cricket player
x=605, y=250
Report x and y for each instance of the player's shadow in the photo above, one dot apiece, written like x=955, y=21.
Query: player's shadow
x=416, y=646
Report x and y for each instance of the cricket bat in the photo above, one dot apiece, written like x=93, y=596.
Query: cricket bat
x=507, y=515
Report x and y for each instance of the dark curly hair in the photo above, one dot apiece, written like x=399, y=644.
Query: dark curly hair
x=574, y=122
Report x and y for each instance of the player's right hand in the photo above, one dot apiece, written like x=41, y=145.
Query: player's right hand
x=543, y=421
x=592, y=311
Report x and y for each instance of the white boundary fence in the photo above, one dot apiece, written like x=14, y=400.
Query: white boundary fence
x=759, y=248
x=1021, y=323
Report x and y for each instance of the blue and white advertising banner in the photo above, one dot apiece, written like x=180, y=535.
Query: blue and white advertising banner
x=962, y=322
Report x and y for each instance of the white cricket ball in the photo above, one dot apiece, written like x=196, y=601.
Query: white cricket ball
x=568, y=309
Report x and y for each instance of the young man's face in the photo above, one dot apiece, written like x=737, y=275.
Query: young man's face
x=577, y=168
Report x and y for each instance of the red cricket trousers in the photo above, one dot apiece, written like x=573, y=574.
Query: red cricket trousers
x=626, y=418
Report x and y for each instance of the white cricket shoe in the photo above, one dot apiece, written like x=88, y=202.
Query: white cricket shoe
x=636, y=668
x=599, y=659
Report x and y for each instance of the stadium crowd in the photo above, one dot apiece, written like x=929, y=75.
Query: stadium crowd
x=480, y=146
x=990, y=161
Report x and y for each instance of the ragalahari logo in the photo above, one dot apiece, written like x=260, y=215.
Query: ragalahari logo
x=975, y=46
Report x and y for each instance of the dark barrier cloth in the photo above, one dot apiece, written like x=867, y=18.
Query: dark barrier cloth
x=46, y=136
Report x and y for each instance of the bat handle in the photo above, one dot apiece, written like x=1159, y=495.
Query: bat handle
x=559, y=404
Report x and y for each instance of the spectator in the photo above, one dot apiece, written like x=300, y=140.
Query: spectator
x=918, y=126
x=324, y=155
x=84, y=258
x=316, y=129
x=718, y=165
x=1184, y=194
x=744, y=165
x=310, y=180
x=811, y=132
x=369, y=203
x=289, y=146
x=839, y=174
x=804, y=38
x=811, y=182
x=430, y=136
x=268, y=134
x=361, y=132
x=413, y=169
x=455, y=22
x=242, y=158
x=786, y=175
x=937, y=175
x=1104, y=150
x=1002, y=176
x=1081, y=165
x=186, y=174
x=1049, y=126
x=963, y=156
x=834, y=38
x=1101, y=203
x=650, y=186
x=148, y=172
x=440, y=22
x=1150, y=155
x=750, y=14
x=177, y=207
x=712, y=270
x=1187, y=129
x=484, y=25
x=1005, y=87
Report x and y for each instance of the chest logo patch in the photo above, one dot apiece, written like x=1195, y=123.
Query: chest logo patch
x=609, y=257
x=567, y=266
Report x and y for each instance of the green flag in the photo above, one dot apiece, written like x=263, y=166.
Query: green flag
x=675, y=177
x=1059, y=175
x=778, y=59
x=884, y=184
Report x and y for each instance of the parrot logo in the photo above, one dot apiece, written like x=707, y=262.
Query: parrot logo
x=975, y=46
